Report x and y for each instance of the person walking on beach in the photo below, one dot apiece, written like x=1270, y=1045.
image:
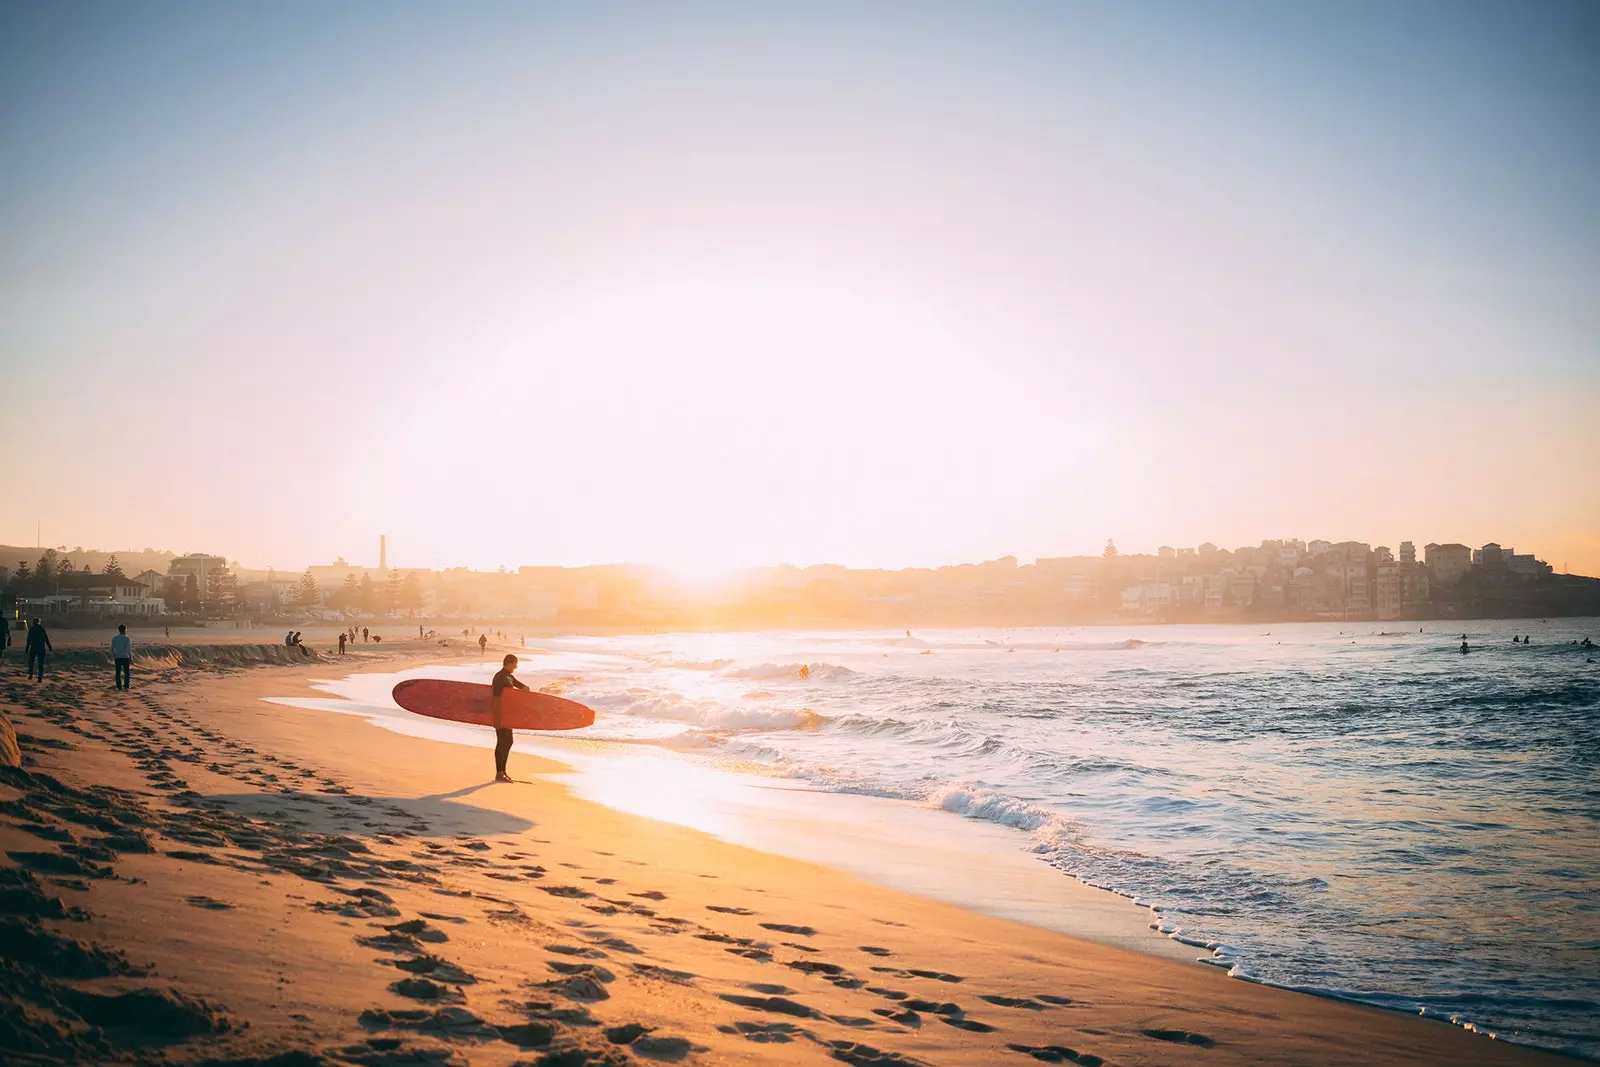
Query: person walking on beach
x=504, y=679
x=122, y=657
x=363, y=633
x=36, y=644
x=341, y=644
x=5, y=636
x=483, y=643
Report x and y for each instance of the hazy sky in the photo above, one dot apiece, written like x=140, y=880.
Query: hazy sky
x=880, y=284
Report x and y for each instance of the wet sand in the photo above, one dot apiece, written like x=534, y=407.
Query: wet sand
x=195, y=875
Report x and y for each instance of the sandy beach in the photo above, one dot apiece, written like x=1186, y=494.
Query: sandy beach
x=194, y=875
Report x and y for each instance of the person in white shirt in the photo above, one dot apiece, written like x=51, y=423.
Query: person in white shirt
x=122, y=653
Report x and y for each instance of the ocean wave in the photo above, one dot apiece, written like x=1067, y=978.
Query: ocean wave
x=990, y=806
x=816, y=671
x=705, y=714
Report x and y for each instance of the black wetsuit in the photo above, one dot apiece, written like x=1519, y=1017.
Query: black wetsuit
x=38, y=643
x=503, y=680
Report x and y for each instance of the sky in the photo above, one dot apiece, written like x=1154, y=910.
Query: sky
x=715, y=285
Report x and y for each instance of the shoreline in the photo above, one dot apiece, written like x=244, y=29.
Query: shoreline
x=890, y=842
x=994, y=984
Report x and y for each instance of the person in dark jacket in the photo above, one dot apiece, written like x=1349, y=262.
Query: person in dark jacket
x=5, y=636
x=503, y=679
x=37, y=645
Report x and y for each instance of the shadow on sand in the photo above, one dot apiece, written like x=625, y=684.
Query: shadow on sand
x=350, y=813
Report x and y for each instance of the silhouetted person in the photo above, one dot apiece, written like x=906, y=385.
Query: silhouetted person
x=5, y=636
x=1527, y=639
x=363, y=633
x=483, y=643
x=37, y=644
x=504, y=679
x=1515, y=640
x=122, y=657
x=341, y=644
x=419, y=631
x=288, y=639
x=1464, y=647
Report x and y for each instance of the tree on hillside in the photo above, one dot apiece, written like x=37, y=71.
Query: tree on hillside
x=365, y=595
x=47, y=564
x=410, y=593
x=114, y=567
x=191, y=593
x=347, y=597
x=305, y=594
x=223, y=589
x=24, y=576
x=172, y=593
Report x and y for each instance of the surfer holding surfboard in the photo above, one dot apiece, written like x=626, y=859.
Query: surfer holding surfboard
x=503, y=679
x=506, y=705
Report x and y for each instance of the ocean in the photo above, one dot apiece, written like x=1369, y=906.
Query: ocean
x=1330, y=808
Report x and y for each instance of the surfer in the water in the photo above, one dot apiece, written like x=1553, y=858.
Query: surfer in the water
x=504, y=679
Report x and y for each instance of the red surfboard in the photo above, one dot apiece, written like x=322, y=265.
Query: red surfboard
x=520, y=709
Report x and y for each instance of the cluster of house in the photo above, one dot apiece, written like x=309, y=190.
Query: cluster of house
x=1346, y=579
x=116, y=595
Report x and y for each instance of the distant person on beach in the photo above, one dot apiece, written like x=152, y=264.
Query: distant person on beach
x=122, y=657
x=341, y=644
x=1464, y=647
x=419, y=631
x=363, y=633
x=5, y=636
x=483, y=643
x=37, y=644
x=504, y=679
x=288, y=639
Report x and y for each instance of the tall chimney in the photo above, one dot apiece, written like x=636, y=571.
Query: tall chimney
x=383, y=553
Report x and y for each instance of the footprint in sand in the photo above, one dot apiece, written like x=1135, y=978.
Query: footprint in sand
x=859, y=1055
x=729, y=911
x=650, y=970
x=1058, y=1054
x=1181, y=1037
x=785, y=928
x=875, y=950
x=577, y=950
x=938, y=976
x=426, y=990
x=570, y=891
x=208, y=903
x=1012, y=1002
x=766, y=1033
x=776, y=1005
x=437, y=969
x=650, y=894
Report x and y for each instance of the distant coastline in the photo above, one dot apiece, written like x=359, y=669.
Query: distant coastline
x=1276, y=582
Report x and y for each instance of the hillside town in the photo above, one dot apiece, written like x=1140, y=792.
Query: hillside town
x=1277, y=580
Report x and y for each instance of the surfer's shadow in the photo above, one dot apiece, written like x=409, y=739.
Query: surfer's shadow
x=363, y=816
